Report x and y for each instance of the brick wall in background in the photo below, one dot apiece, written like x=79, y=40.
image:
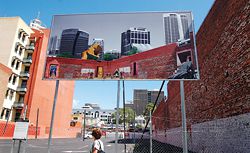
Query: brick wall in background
x=223, y=93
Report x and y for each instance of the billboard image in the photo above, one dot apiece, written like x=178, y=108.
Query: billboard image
x=130, y=46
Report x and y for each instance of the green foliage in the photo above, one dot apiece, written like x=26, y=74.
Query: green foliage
x=129, y=115
x=109, y=57
x=148, y=108
x=67, y=55
x=134, y=50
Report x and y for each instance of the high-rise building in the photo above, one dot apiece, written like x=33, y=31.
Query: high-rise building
x=142, y=97
x=23, y=50
x=101, y=43
x=134, y=36
x=177, y=26
x=73, y=42
x=16, y=53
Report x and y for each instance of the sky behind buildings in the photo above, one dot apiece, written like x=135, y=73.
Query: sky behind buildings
x=102, y=92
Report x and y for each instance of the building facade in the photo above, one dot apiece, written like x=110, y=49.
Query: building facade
x=73, y=42
x=16, y=53
x=133, y=36
x=142, y=97
x=5, y=72
x=23, y=50
x=177, y=27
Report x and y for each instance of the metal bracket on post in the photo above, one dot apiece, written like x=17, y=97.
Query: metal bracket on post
x=53, y=115
x=117, y=116
x=183, y=114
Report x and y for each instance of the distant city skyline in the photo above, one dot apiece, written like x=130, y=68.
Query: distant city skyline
x=113, y=24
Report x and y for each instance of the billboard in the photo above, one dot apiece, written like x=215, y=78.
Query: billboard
x=130, y=46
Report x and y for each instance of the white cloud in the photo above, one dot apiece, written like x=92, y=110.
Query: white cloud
x=76, y=104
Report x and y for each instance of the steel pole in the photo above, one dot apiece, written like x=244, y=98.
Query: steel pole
x=150, y=133
x=117, y=116
x=84, y=125
x=53, y=115
x=124, y=123
x=183, y=112
x=37, y=117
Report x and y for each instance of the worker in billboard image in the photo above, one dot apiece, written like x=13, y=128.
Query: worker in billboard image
x=97, y=146
x=52, y=71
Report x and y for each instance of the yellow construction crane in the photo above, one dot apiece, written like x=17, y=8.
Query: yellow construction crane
x=92, y=52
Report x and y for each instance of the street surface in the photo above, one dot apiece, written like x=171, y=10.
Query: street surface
x=75, y=145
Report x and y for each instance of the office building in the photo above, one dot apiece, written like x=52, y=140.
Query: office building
x=133, y=36
x=177, y=27
x=73, y=42
x=142, y=97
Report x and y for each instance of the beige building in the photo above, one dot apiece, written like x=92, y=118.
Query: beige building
x=16, y=54
x=5, y=72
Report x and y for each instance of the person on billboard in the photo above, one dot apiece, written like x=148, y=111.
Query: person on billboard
x=97, y=145
x=52, y=72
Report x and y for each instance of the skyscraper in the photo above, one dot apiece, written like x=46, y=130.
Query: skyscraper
x=134, y=36
x=73, y=42
x=177, y=26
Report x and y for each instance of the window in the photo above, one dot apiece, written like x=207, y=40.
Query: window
x=11, y=93
x=24, y=84
x=13, y=63
x=21, y=98
x=23, y=39
x=2, y=113
x=16, y=49
x=14, y=79
x=75, y=118
x=7, y=93
x=10, y=78
x=27, y=69
x=17, y=65
x=20, y=35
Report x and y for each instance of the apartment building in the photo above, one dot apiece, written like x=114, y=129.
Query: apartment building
x=16, y=54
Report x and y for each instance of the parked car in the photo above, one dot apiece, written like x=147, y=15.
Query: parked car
x=88, y=135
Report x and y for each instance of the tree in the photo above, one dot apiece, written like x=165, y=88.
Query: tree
x=67, y=55
x=129, y=115
x=148, y=108
x=134, y=50
x=109, y=57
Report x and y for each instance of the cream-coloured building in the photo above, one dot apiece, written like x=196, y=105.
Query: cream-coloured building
x=16, y=49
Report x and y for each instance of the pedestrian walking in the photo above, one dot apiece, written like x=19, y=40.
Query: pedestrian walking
x=97, y=145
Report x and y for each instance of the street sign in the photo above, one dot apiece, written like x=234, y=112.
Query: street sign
x=21, y=131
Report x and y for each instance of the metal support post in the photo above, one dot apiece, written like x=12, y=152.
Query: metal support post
x=53, y=115
x=183, y=112
x=37, y=117
x=117, y=116
x=84, y=125
x=150, y=132
x=19, y=146
x=124, y=123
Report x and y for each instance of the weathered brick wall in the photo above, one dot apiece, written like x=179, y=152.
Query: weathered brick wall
x=157, y=63
x=223, y=93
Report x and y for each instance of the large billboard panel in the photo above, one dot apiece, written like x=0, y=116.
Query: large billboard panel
x=130, y=46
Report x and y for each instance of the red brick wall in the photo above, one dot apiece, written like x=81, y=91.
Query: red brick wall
x=224, y=59
x=157, y=63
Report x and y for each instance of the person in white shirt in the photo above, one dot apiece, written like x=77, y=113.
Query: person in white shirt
x=97, y=145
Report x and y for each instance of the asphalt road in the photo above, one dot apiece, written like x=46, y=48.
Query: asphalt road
x=60, y=146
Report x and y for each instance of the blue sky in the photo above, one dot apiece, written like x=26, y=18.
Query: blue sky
x=102, y=92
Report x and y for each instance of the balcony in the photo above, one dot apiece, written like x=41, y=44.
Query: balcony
x=18, y=104
x=24, y=75
x=22, y=89
x=30, y=48
x=27, y=61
